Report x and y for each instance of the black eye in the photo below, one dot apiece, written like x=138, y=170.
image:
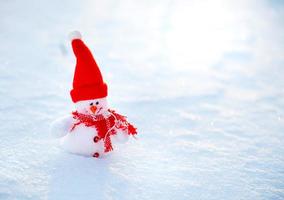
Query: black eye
x=97, y=103
x=91, y=104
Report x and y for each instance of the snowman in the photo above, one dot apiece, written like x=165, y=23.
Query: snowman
x=93, y=129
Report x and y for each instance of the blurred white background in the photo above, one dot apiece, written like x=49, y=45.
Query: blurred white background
x=202, y=80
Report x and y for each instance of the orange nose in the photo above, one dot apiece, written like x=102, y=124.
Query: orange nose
x=93, y=109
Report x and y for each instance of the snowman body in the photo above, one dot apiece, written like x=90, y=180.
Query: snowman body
x=83, y=140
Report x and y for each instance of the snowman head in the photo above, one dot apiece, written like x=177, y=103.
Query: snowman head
x=92, y=107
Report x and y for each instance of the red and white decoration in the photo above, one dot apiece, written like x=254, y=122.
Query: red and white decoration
x=93, y=128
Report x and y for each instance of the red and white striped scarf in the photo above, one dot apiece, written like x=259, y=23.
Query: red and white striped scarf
x=105, y=125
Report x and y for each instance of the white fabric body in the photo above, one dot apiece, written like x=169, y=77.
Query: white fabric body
x=81, y=139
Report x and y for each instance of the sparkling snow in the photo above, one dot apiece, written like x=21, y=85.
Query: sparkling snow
x=202, y=80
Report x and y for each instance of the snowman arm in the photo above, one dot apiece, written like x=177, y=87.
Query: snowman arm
x=61, y=126
x=120, y=137
x=123, y=130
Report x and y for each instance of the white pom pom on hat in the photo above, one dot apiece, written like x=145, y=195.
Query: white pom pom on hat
x=74, y=35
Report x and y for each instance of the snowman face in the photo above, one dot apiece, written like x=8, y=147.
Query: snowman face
x=93, y=106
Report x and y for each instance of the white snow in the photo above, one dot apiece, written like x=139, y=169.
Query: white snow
x=202, y=81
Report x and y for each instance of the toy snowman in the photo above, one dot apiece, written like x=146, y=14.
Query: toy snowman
x=93, y=128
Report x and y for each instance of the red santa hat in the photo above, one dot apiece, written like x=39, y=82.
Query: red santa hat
x=88, y=81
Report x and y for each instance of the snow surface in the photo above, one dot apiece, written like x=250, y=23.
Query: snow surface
x=202, y=80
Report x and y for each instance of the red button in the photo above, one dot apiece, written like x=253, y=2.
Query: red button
x=96, y=139
x=96, y=155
